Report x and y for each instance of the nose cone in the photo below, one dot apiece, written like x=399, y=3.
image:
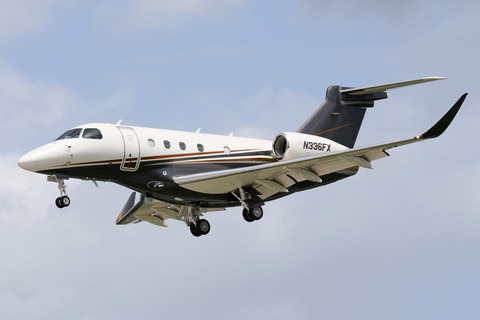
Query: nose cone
x=43, y=158
x=29, y=162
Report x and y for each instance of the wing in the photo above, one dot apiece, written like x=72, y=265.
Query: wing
x=152, y=211
x=146, y=209
x=273, y=178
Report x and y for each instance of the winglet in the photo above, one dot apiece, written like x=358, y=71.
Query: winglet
x=444, y=122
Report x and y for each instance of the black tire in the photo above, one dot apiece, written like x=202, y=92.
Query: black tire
x=247, y=216
x=65, y=201
x=203, y=226
x=58, y=202
x=256, y=213
x=194, y=230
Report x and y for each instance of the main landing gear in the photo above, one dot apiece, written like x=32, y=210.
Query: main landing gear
x=253, y=214
x=201, y=228
x=252, y=207
x=190, y=215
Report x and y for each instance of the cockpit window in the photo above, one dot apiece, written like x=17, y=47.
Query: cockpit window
x=70, y=134
x=92, y=133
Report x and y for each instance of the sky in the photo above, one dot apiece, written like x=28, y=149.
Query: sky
x=401, y=241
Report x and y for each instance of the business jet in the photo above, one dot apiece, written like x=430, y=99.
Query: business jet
x=185, y=175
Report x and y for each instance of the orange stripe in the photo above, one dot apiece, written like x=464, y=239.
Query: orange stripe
x=120, y=216
x=345, y=125
x=153, y=157
x=190, y=154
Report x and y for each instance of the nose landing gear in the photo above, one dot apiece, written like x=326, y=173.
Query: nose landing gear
x=62, y=201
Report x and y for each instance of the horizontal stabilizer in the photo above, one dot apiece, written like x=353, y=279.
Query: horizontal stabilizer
x=384, y=87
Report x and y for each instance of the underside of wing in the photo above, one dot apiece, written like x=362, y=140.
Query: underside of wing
x=146, y=209
x=152, y=211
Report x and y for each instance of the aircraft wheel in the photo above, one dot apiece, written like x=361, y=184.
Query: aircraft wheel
x=196, y=232
x=203, y=226
x=65, y=201
x=256, y=213
x=247, y=216
x=58, y=202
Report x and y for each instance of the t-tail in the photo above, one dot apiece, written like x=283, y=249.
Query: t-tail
x=340, y=116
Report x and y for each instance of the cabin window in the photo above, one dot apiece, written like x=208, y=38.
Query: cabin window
x=151, y=143
x=226, y=150
x=70, y=134
x=166, y=143
x=92, y=133
x=182, y=145
x=200, y=147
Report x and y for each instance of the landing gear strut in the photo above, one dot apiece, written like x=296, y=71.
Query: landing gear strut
x=190, y=215
x=252, y=207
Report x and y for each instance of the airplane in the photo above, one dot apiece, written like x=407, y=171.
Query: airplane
x=184, y=175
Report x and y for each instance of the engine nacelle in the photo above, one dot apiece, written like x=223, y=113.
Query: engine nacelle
x=292, y=145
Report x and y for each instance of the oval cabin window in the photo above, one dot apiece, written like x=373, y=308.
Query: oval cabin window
x=182, y=145
x=166, y=143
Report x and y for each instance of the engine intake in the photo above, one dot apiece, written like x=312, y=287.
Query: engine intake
x=293, y=145
x=280, y=146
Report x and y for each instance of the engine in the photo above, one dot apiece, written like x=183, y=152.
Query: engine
x=292, y=145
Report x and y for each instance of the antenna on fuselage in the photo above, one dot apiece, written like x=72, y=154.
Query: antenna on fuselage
x=120, y=121
x=198, y=130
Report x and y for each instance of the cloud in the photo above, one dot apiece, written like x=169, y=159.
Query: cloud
x=242, y=114
x=392, y=9
x=127, y=15
x=29, y=106
x=27, y=16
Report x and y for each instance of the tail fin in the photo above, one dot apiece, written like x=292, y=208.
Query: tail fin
x=340, y=117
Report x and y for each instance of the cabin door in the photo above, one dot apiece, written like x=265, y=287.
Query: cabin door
x=131, y=156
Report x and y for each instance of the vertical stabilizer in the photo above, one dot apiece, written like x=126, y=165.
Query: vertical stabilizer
x=340, y=117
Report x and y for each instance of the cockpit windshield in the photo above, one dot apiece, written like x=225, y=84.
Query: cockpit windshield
x=88, y=133
x=92, y=133
x=70, y=134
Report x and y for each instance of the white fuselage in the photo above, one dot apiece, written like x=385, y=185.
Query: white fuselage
x=129, y=147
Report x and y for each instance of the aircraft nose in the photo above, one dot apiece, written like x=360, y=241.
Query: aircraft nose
x=42, y=158
x=28, y=162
